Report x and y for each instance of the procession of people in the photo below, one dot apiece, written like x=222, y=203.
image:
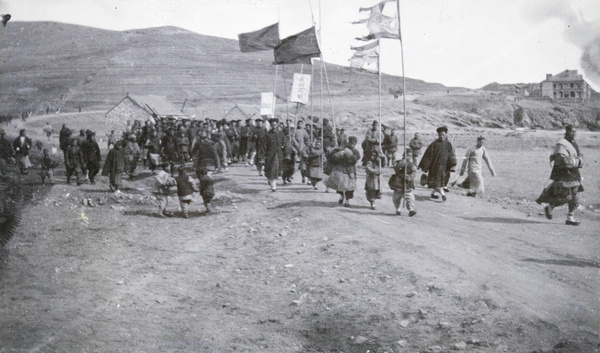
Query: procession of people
x=170, y=148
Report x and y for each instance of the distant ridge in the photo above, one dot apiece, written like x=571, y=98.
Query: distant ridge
x=56, y=65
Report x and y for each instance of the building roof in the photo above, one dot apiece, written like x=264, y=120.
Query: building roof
x=158, y=105
x=567, y=75
x=242, y=112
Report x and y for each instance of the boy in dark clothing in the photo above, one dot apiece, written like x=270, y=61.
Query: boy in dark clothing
x=207, y=189
x=185, y=189
x=91, y=156
x=75, y=163
x=398, y=183
x=373, y=179
x=114, y=165
x=48, y=165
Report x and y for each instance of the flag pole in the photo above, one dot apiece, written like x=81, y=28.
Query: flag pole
x=312, y=107
x=275, y=89
x=331, y=106
x=403, y=95
x=379, y=137
x=321, y=83
x=287, y=109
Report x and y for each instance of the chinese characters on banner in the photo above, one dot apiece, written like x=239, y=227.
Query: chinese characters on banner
x=300, y=89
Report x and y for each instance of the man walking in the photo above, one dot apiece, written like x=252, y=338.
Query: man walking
x=91, y=156
x=473, y=164
x=275, y=141
x=415, y=145
x=565, y=176
x=48, y=130
x=437, y=161
x=22, y=145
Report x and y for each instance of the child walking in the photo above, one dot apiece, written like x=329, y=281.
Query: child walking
x=373, y=183
x=398, y=183
x=163, y=183
x=48, y=165
x=207, y=189
x=185, y=189
x=314, y=164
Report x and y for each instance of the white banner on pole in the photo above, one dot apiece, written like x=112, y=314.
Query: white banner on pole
x=300, y=89
x=267, y=104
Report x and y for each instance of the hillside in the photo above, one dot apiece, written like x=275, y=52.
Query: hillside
x=90, y=67
x=48, y=66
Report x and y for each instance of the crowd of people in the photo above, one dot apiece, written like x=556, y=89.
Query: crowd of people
x=170, y=148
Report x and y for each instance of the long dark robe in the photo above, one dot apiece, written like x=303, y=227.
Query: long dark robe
x=91, y=156
x=437, y=161
x=114, y=165
x=274, y=154
x=260, y=140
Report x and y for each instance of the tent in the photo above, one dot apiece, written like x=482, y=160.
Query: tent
x=142, y=108
x=242, y=112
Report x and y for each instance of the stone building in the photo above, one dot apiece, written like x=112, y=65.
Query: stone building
x=565, y=85
x=142, y=108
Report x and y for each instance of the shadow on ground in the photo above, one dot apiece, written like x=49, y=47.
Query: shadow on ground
x=304, y=203
x=501, y=220
x=566, y=262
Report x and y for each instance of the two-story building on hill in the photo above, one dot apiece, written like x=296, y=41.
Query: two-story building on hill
x=566, y=85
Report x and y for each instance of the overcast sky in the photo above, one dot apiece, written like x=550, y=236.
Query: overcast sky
x=467, y=43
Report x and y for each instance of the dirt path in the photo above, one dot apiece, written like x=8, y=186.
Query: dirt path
x=291, y=271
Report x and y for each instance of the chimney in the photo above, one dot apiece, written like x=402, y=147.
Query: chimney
x=548, y=76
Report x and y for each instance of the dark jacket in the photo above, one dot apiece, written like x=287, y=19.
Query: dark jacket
x=115, y=162
x=22, y=148
x=6, y=149
x=185, y=185
x=207, y=188
x=205, y=155
x=397, y=179
x=438, y=159
x=91, y=153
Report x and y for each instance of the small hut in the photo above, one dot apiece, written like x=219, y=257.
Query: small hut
x=142, y=108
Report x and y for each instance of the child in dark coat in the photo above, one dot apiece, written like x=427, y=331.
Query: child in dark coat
x=403, y=187
x=207, y=189
x=48, y=165
x=372, y=182
x=185, y=189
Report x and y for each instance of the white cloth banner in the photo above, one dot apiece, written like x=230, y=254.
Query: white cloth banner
x=267, y=104
x=300, y=89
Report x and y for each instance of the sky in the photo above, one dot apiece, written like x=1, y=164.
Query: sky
x=465, y=43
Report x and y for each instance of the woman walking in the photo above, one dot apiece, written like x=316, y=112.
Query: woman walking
x=343, y=170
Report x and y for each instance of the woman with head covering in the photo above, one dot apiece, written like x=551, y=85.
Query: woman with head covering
x=342, y=177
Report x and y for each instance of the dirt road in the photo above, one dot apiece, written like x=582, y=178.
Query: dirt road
x=291, y=271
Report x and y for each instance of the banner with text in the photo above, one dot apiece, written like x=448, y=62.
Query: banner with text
x=300, y=89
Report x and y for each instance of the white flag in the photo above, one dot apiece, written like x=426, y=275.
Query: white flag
x=300, y=89
x=267, y=104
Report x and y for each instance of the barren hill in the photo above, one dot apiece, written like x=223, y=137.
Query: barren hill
x=48, y=66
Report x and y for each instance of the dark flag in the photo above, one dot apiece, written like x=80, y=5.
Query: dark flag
x=5, y=19
x=263, y=39
x=298, y=49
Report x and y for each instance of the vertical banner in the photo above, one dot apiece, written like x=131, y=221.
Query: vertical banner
x=267, y=104
x=300, y=89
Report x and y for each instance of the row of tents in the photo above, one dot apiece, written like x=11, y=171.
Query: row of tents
x=148, y=107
